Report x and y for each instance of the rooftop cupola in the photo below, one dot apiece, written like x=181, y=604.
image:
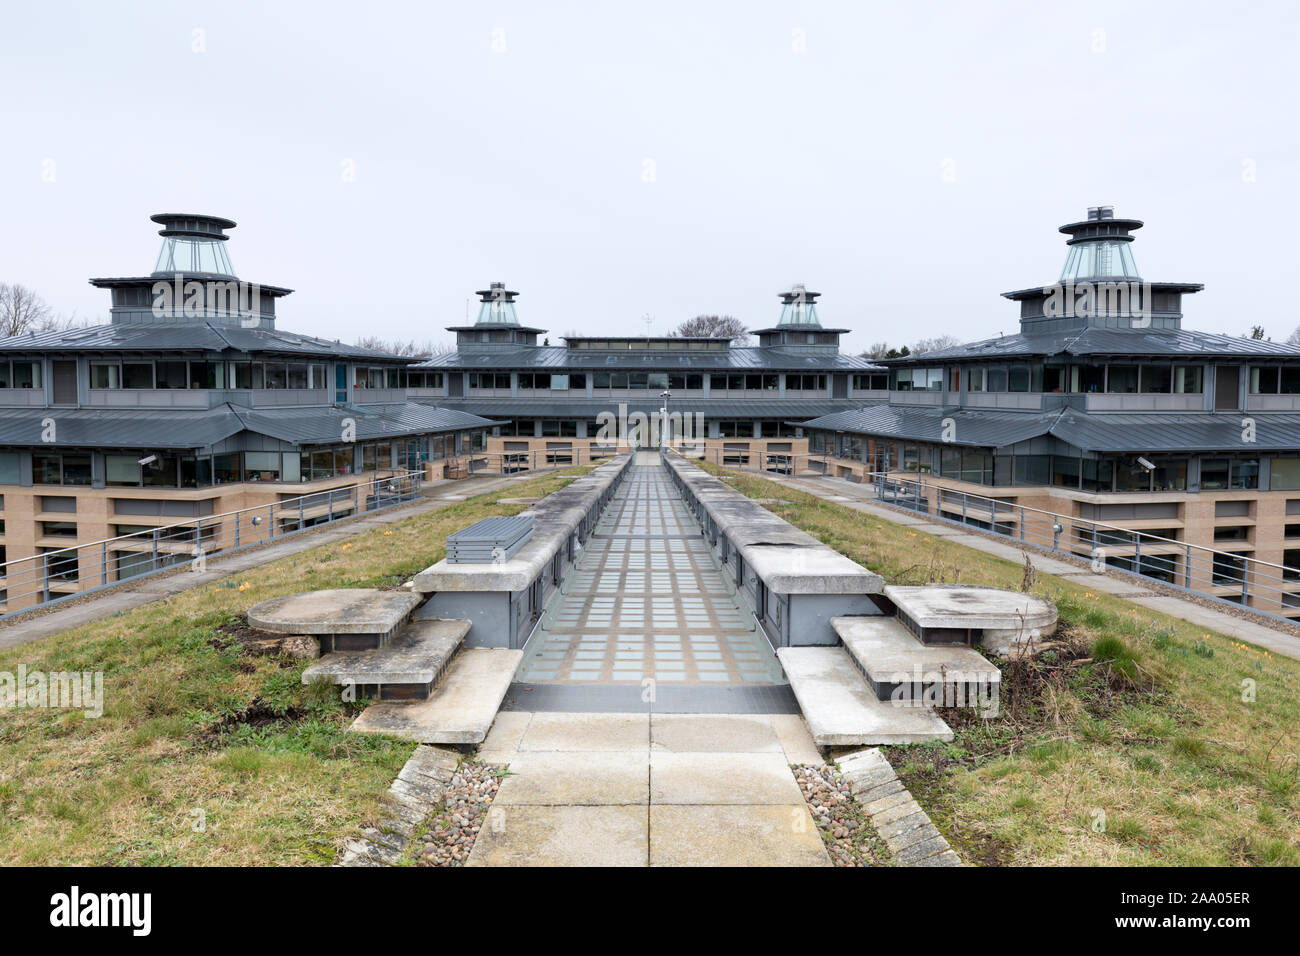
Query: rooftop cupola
x=799, y=308
x=1100, y=286
x=497, y=325
x=497, y=306
x=1100, y=247
x=193, y=245
x=799, y=329
x=192, y=281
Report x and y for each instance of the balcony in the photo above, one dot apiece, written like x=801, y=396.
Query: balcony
x=1142, y=402
x=22, y=397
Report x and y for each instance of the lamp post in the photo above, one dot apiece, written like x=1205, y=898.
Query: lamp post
x=663, y=423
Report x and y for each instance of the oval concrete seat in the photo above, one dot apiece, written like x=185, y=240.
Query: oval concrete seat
x=1005, y=617
x=334, y=611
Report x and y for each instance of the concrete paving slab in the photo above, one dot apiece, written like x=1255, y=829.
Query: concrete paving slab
x=888, y=655
x=562, y=836
x=796, y=742
x=461, y=708
x=507, y=730
x=841, y=710
x=334, y=611
x=735, y=836
x=967, y=606
x=722, y=778
x=559, y=778
x=690, y=733
x=589, y=732
x=415, y=655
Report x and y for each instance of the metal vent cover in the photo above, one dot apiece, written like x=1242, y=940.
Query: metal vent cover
x=489, y=540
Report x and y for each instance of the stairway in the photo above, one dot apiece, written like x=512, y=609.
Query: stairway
x=884, y=679
x=429, y=687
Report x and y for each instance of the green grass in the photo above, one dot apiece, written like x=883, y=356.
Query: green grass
x=204, y=754
x=1142, y=739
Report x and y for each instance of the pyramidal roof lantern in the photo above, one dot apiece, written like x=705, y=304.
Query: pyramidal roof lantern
x=1100, y=247
x=496, y=305
x=799, y=308
x=193, y=244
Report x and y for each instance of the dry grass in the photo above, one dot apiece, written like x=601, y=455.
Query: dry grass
x=1148, y=753
x=281, y=782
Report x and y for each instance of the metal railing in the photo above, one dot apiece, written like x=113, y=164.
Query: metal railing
x=59, y=574
x=1228, y=576
x=519, y=462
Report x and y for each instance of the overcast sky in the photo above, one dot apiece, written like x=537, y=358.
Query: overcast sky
x=612, y=161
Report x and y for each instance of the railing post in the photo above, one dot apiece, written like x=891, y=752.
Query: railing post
x=103, y=562
x=155, y=551
x=1137, y=545
x=301, y=504
x=270, y=521
x=1022, y=522
x=1245, y=580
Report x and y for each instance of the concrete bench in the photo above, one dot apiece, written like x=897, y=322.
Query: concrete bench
x=794, y=583
x=504, y=599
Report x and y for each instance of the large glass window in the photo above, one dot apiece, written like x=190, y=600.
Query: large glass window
x=1131, y=476
x=997, y=380
x=1065, y=471
x=137, y=375
x=1098, y=475
x=1263, y=380
x=27, y=375
x=46, y=470
x=105, y=375
x=1214, y=474
x=1187, y=379
x=1245, y=473
x=1018, y=378
x=1122, y=379
x=122, y=470
x=1157, y=379
x=170, y=375
x=1033, y=469
x=261, y=466
x=1170, y=474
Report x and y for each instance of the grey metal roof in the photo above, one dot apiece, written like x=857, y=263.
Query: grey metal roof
x=183, y=428
x=591, y=407
x=1099, y=341
x=736, y=360
x=196, y=336
x=978, y=429
x=1107, y=432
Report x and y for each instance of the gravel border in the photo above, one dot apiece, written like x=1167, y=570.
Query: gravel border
x=845, y=827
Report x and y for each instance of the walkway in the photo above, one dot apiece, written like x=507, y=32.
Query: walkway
x=1128, y=587
x=648, y=602
x=158, y=587
x=642, y=789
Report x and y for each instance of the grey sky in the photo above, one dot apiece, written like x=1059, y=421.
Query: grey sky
x=771, y=166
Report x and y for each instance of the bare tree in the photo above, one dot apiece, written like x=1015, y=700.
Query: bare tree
x=935, y=343
x=1294, y=337
x=407, y=348
x=715, y=326
x=877, y=350
x=22, y=310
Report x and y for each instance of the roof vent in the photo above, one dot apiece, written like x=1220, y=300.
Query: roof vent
x=1098, y=213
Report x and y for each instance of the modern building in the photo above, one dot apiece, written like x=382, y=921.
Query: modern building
x=190, y=404
x=739, y=401
x=1105, y=408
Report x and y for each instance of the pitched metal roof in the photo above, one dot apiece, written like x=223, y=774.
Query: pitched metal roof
x=978, y=429
x=184, y=428
x=196, y=336
x=591, y=407
x=1099, y=341
x=735, y=360
x=1108, y=432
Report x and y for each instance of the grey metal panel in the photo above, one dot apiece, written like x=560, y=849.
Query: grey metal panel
x=591, y=407
x=196, y=336
x=738, y=359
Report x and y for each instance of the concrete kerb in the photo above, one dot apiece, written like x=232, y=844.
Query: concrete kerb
x=907, y=830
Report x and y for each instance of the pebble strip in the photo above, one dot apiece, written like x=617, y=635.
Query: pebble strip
x=418, y=789
x=846, y=832
x=466, y=800
x=912, y=839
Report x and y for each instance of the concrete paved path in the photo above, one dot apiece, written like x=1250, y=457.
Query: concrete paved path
x=64, y=617
x=1130, y=588
x=648, y=789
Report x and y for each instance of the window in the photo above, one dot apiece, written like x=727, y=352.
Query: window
x=1187, y=379
x=975, y=380
x=105, y=375
x=1018, y=378
x=9, y=468
x=1033, y=469
x=1285, y=474
x=1098, y=475
x=1122, y=379
x=803, y=383
x=27, y=375
x=1157, y=379
x=1214, y=474
x=46, y=470
x=1131, y=476
x=170, y=375
x=59, y=529
x=1170, y=474
x=997, y=380
x=1245, y=473
x=1263, y=381
x=1290, y=380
